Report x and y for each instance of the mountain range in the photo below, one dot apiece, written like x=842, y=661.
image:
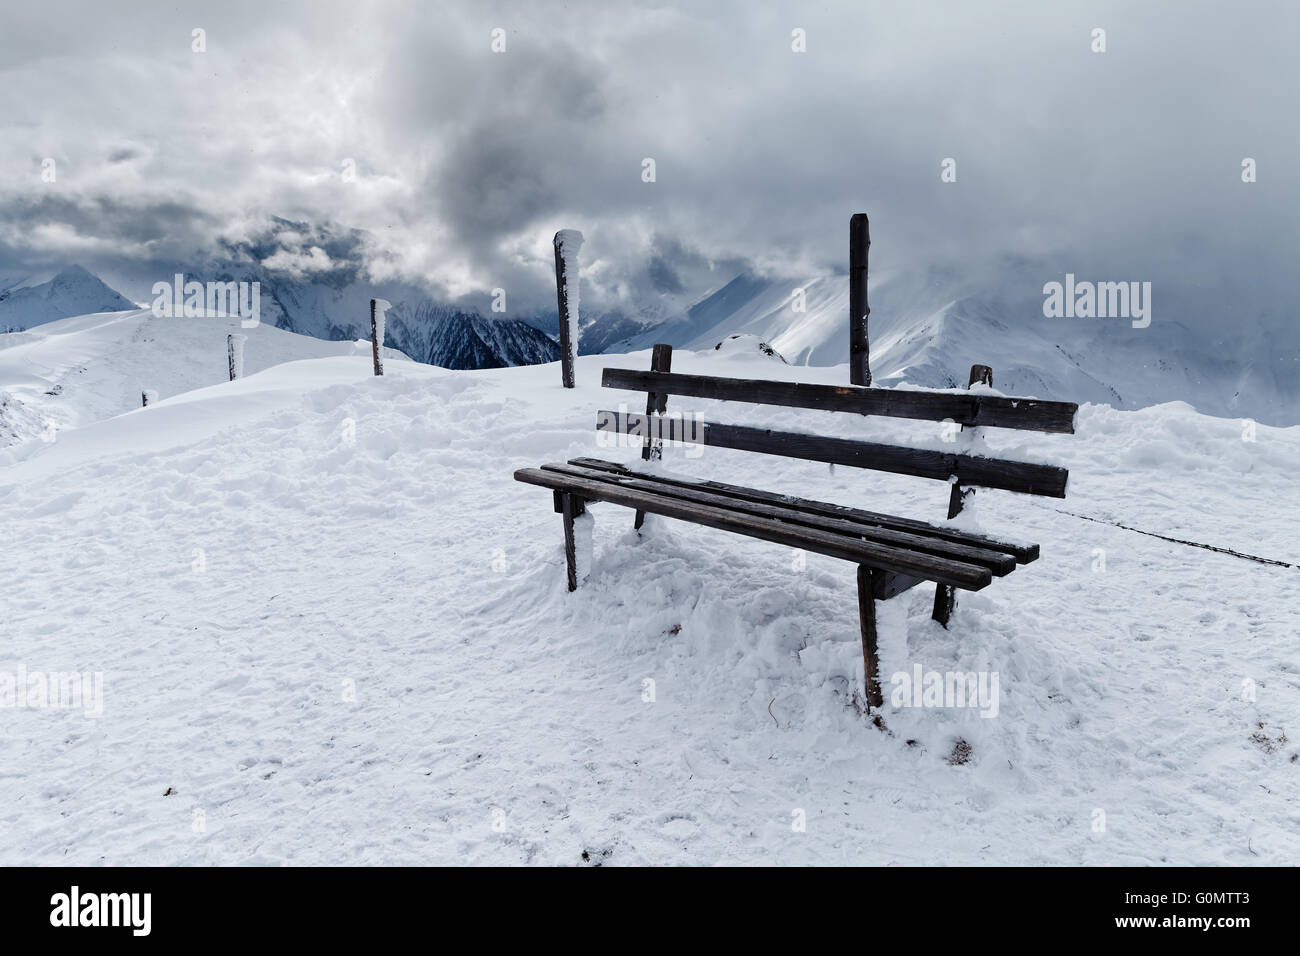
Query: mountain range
x=927, y=327
x=427, y=332
x=72, y=291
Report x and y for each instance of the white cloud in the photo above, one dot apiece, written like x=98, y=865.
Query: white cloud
x=297, y=263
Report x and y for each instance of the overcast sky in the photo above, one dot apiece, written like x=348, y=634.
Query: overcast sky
x=1126, y=163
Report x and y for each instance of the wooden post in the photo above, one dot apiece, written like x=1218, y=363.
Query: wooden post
x=870, y=648
x=230, y=355
x=374, y=341
x=144, y=399
x=656, y=403
x=945, y=596
x=568, y=345
x=859, y=343
x=571, y=506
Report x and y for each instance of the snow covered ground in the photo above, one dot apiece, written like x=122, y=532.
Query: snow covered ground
x=333, y=629
x=79, y=370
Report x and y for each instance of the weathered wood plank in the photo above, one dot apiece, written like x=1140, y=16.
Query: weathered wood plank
x=1029, y=414
x=996, y=561
x=931, y=567
x=1020, y=476
x=1024, y=553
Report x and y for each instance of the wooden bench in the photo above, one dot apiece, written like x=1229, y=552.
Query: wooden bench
x=893, y=554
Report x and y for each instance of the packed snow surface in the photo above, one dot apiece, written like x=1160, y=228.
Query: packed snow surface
x=332, y=629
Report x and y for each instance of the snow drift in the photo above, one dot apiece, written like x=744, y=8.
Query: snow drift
x=333, y=629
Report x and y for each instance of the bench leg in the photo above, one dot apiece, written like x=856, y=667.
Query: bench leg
x=945, y=601
x=571, y=506
x=867, y=619
x=639, y=521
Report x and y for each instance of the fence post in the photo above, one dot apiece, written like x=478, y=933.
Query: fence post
x=945, y=596
x=567, y=243
x=377, y=332
x=859, y=344
x=147, y=395
x=235, y=354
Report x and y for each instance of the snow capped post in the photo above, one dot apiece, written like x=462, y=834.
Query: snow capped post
x=235, y=354
x=859, y=346
x=146, y=396
x=567, y=244
x=377, y=308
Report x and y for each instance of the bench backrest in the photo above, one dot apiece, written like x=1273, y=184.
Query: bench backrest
x=972, y=409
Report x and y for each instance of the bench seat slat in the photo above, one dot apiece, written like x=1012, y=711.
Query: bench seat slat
x=969, y=470
x=959, y=574
x=1024, y=553
x=998, y=411
x=997, y=562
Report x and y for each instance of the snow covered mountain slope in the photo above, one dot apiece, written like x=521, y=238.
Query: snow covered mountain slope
x=73, y=291
x=332, y=629
x=79, y=370
x=928, y=328
x=451, y=338
x=427, y=332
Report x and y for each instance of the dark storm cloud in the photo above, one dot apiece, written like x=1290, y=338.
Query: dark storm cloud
x=492, y=184
x=664, y=277
x=132, y=221
x=1125, y=163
